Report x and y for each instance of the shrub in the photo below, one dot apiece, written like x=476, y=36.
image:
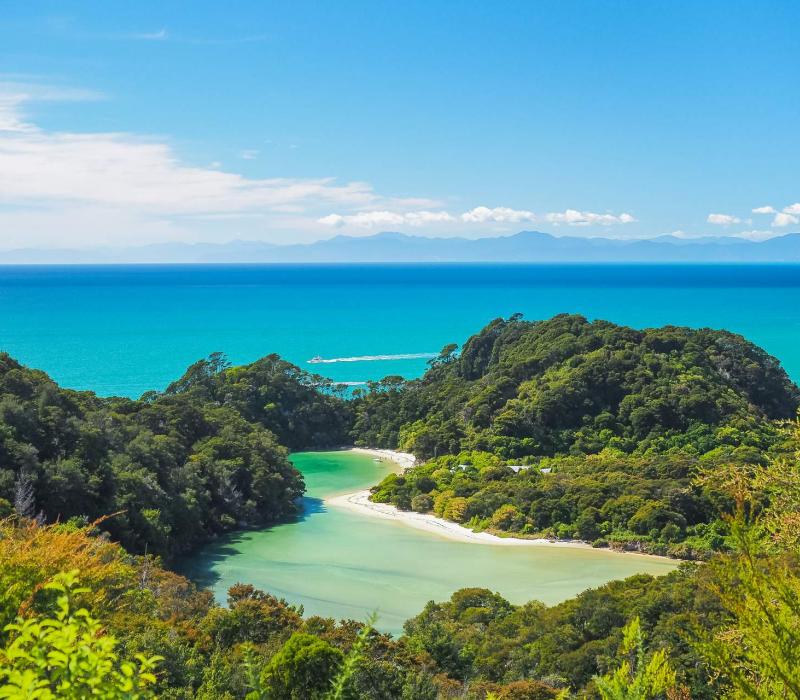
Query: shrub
x=69, y=655
x=456, y=509
x=507, y=517
x=422, y=503
x=303, y=669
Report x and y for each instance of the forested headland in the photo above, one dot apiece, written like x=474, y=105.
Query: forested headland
x=570, y=429
x=665, y=440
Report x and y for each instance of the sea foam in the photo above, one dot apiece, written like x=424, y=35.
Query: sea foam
x=374, y=358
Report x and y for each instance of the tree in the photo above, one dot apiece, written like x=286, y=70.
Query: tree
x=24, y=496
x=69, y=656
x=759, y=584
x=422, y=503
x=636, y=678
x=303, y=669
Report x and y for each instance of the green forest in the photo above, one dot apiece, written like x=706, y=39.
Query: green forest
x=671, y=441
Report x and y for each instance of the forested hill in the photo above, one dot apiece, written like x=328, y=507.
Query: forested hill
x=209, y=454
x=568, y=386
x=303, y=410
x=172, y=469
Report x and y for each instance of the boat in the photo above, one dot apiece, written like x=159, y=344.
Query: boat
x=315, y=360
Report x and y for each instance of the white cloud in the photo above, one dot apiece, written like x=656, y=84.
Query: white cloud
x=570, y=217
x=785, y=219
x=371, y=219
x=723, y=219
x=480, y=215
x=573, y=217
x=14, y=95
x=788, y=216
x=477, y=215
x=123, y=170
x=10, y=119
x=62, y=188
x=138, y=189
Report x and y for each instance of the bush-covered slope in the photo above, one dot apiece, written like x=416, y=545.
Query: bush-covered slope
x=461, y=649
x=174, y=468
x=479, y=635
x=303, y=410
x=568, y=386
x=611, y=499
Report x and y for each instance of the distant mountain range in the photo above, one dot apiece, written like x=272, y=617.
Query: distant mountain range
x=526, y=246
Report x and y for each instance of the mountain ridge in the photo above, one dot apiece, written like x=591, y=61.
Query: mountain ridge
x=392, y=246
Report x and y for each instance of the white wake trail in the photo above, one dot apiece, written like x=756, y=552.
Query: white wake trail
x=373, y=358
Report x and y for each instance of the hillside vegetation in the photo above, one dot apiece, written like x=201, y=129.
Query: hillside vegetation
x=569, y=429
x=207, y=456
x=668, y=440
x=726, y=629
x=568, y=386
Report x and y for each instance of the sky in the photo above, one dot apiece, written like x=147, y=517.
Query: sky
x=134, y=123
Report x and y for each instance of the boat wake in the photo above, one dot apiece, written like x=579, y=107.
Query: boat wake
x=373, y=358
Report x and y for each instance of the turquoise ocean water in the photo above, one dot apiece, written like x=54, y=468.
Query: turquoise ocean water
x=127, y=329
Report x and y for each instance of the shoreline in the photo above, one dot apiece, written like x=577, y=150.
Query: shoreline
x=405, y=460
x=358, y=502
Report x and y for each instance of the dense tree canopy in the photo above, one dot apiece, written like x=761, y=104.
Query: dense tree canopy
x=174, y=468
x=667, y=440
x=568, y=386
x=472, y=645
x=302, y=410
x=570, y=429
x=646, y=502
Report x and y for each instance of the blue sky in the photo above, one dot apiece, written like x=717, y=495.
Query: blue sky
x=125, y=123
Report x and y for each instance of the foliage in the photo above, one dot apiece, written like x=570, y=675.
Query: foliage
x=662, y=440
x=354, y=657
x=173, y=468
x=31, y=555
x=68, y=655
x=479, y=637
x=303, y=669
x=637, y=678
x=568, y=386
x=208, y=651
x=302, y=410
x=758, y=651
x=646, y=502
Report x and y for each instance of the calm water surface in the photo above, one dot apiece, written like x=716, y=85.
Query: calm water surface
x=343, y=565
x=128, y=329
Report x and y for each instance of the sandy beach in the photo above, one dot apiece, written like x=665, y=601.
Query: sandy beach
x=403, y=460
x=359, y=502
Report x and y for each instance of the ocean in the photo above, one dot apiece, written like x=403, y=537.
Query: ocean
x=124, y=330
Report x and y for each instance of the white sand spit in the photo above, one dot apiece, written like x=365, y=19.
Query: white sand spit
x=360, y=503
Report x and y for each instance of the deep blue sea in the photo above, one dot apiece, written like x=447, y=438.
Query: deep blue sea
x=127, y=329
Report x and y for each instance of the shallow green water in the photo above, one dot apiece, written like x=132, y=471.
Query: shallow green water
x=340, y=564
